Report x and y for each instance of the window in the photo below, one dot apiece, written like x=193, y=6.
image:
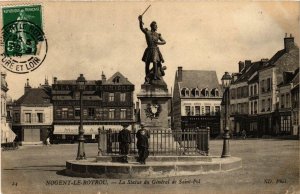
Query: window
x=64, y=113
x=111, y=97
x=262, y=86
x=187, y=110
x=262, y=105
x=251, y=90
x=269, y=104
x=282, y=101
x=285, y=124
x=58, y=113
x=217, y=110
x=206, y=92
x=17, y=117
x=183, y=92
x=77, y=112
x=255, y=107
x=197, y=93
x=27, y=117
x=116, y=79
x=207, y=110
x=91, y=112
x=123, y=114
x=187, y=92
x=111, y=114
x=251, y=107
x=255, y=89
x=216, y=92
x=269, y=84
x=123, y=97
x=287, y=100
x=197, y=110
x=40, y=117
x=232, y=92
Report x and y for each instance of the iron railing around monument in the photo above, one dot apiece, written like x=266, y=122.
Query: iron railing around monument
x=190, y=141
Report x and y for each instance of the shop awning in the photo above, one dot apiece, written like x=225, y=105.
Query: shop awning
x=88, y=129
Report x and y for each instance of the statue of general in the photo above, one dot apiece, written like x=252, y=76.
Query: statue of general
x=152, y=53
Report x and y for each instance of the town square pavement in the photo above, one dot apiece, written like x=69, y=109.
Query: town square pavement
x=269, y=166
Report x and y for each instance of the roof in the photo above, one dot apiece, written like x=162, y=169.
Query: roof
x=118, y=79
x=73, y=82
x=226, y=76
x=249, y=71
x=34, y=97
x=199, y=79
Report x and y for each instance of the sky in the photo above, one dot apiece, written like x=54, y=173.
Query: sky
x=91, y=37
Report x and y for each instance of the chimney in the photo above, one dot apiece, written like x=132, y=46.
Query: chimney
x=247, y=64
x=264, y=61
x=179, y=74
x=241, y=66
x=46, y=81
x=55, y=80
x=288, y=43
x=27, y=86
x=103, y=77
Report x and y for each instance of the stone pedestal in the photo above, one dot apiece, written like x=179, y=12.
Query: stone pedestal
x=155, y=102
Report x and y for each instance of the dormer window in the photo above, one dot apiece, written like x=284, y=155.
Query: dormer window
x=206, y=92
x=215, y=92
x=185, y=92
x=116, y=79
x=195, y=92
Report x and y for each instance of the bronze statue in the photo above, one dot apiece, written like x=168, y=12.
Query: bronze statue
x=152, y=53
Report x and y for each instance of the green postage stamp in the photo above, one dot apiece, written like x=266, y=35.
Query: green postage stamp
x=25, y=44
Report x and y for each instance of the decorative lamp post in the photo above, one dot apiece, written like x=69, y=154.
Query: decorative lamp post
x=81, y=87
x=226, y=137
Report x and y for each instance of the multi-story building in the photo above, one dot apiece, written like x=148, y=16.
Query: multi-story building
x=33, y=114
x=286, y=109
x=254, y=93
x=7, y=135
x=196, y=100
x=270, y=76
x=244, y=97
x=107, y=104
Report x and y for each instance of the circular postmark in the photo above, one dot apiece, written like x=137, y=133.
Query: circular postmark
x=25, y=46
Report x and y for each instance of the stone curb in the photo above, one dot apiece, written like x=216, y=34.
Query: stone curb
x=91, y=168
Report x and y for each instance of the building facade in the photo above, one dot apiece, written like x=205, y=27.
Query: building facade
x=107, y=104
x=33, y=115
x=197, y=99
x=261, y=93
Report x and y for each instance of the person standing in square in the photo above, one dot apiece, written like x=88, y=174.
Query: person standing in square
x=142, y=144
x=124, y=142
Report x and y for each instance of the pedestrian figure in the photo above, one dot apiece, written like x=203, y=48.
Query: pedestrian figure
x=124, y=143
x=244, y=134
x=142, y=144
x=48, y=141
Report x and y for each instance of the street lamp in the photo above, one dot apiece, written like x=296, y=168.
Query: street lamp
x=81, y=87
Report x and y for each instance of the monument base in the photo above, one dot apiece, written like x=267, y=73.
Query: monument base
x=155, y=105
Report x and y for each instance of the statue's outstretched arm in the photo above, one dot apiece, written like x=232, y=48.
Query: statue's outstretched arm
x=141, y=24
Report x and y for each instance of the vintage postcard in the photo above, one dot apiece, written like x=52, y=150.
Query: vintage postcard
x=149, y=97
